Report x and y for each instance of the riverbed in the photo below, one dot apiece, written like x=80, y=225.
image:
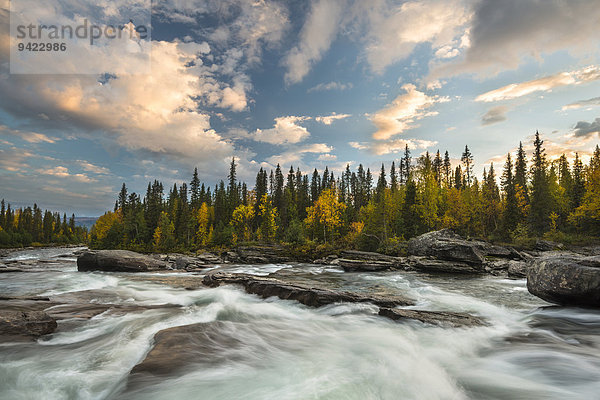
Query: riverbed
x=285, y=350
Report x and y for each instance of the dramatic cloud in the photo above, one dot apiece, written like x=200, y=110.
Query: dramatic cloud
x=506, y=33
x=321, y=87
x=318, y=32
x=587, y=129
x=544, y=84
x=401, y=114
x=582, y=103
x=285, y=131
x=395, y=31
x=493, y=115
x=329, y=119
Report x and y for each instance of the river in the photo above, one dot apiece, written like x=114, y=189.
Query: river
x=285, y=350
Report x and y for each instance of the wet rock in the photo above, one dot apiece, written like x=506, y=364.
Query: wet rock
x=566, y=279
x=446, y=245
x=547, y=245
x=25, y=325
x=352, y=260
x=435, y=265
x=258, y=255
x=440, y=318
x=308, y=295
x=331, y=259
x=517, y=269
x=176, y=348
x=7, y=270
x=118, y=261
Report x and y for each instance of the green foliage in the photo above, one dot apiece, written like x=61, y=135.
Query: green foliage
x=317, y=212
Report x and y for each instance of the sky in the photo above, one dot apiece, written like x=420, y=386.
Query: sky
x=303, y=83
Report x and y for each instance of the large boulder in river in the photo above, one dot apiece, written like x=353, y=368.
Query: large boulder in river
x=446, y=245
x=566, y=279
x=118, y=261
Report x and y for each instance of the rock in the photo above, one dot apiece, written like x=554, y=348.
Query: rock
x=440, y=318
x=308, y=295
x=547, y=245
x=176, y=348
x=258, y=255
x=446, y=245
x=25, y=325
x=331, y=259
x=566, y=279
x=118, y=261
x=353, y=260
x=431, y=264
x=517, y=269
x=359, y=265
x=9, y=270
x=209, y=259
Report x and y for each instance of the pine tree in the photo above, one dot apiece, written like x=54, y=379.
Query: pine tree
x=510, y=214
x=447, y=168
x=521, y=172
x=540, y=199
x=393, y=178
x=195, y=199
x=437, y=166
x=467, y=160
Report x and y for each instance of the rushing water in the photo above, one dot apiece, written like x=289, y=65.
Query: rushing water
x=289, y=351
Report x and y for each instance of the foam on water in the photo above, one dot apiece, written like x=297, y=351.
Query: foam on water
x=286, y=350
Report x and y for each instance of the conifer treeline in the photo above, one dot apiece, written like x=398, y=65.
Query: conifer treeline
x=536, y=197
x=26, y=226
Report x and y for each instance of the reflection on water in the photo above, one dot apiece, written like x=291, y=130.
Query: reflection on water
x=276, y=349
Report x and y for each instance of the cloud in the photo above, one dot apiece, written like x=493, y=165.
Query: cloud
x=30, y=137
x=89, y=167
x=321, y=87
x=329, y=119
x=394, y=31
x=327, y=157
x=494, y=114
x=582, y=103
x=392, y=146
x=544, y=84
x=13, y=159
x=285, y=131
x=587, y=129
x=318, y=32
x=295, y=156
x=401, y=114
x=505, y=34
x=63, y=172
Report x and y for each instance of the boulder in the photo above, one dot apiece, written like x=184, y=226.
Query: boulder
x=25, y=325
x=308, y=295
x=566, y=279
x=176, y=348
x=446, y=245
x=517, y=269
x=118, y=261
x=440, y=318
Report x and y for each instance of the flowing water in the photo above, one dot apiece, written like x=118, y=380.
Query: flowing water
x=285, y=350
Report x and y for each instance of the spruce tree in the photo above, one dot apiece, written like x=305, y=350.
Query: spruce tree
x=510, y=214
x=467, y=160
x=540, y=197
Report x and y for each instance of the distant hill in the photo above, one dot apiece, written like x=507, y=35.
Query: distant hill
x=86, y=222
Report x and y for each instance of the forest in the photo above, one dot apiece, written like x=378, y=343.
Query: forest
x=34, y=227
x=531, y=197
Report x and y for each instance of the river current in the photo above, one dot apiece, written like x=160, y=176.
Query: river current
x=285, y=350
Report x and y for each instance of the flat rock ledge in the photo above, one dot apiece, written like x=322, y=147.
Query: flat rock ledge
x=441, y=318
x=25, y=325
x=566, y=279
x=118, y=261
x=310, y=296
